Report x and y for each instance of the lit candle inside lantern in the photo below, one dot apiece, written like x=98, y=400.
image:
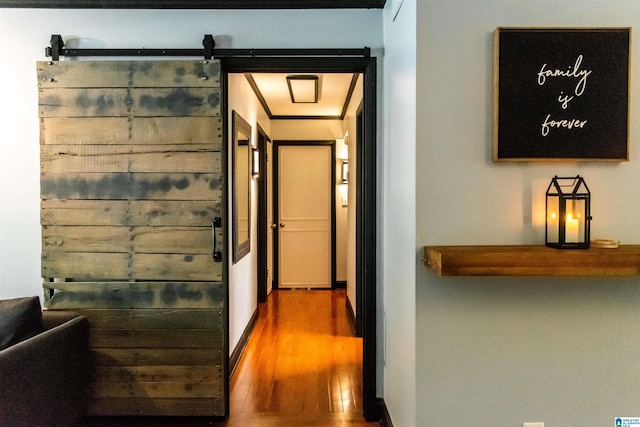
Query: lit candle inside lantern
x=572, y=230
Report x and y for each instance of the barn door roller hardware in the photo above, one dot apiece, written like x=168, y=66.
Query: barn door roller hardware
x=57, y=49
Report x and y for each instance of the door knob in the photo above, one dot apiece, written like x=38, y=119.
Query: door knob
x=274, y=225
x=281, y=225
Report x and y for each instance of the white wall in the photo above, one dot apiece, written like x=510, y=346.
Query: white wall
x=350, y=130
x=398, y=186
x=306, y=129
x=243, y=281
x=502, y=351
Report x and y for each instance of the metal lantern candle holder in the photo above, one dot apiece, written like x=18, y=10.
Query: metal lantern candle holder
x=568, y=212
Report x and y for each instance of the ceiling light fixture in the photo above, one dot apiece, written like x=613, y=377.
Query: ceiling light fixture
x=303, y=89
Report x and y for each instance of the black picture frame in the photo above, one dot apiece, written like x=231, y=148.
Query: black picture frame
x=561, y=94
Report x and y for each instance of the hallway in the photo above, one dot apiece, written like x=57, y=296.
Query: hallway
x=302, y=365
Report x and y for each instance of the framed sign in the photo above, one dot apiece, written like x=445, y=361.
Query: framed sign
x=561, y=94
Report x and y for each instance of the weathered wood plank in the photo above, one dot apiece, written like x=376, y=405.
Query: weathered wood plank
x=131, y=130
x=154, y=338
x=194, y=158
x=175, y=213
x=176, y=240
x=155, y=407
x=187, y=73
x=84, y=103
x=85, y=130
x=163, y=318
x=176, y=267
x=156, y=356
x=174, y=374
x=86, y=265
x=156, y=390
x=124, y=186
x=85, y=239
x=122, y=266
x=120, y=102
x=83, y=74
x=84, y=212
x=177, y=130
x=130, y=213
x=135, y=295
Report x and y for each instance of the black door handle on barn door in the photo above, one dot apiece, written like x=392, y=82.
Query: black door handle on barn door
x=216, y=254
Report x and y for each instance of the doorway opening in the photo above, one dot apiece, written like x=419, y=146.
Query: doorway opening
x=366, y=185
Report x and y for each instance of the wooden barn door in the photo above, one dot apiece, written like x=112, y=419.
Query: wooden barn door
x=131, y=189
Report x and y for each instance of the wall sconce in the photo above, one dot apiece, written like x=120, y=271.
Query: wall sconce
x=255, y=163
x=345, y=171
x=303, y=89
x=568, y=213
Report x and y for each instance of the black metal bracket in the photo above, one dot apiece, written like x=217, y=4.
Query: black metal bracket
x=57, y=49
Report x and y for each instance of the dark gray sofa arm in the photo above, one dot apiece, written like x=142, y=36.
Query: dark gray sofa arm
x=53, y=318
x=43, y=380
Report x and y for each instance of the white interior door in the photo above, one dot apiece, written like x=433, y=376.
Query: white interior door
x=304, y=209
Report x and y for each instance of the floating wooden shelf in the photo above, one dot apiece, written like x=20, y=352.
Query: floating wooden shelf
x=532, y=261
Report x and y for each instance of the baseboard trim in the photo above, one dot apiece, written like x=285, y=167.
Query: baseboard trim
x=341, y=284
x=385, y=419
x=242, y=343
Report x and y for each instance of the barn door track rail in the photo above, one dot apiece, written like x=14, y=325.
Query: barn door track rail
x=57, y=49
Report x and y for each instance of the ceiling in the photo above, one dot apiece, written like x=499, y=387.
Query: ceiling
x=334, y=93
x=195, y=4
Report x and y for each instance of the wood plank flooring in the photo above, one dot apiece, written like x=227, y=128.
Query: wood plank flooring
x=302, y=367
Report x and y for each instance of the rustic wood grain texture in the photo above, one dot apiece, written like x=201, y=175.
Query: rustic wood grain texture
x=162, y=318
x=532, y=261
x=156, y=389
x=172, y=374
x=80, y=296
x=109, y=356
x=85, y=74
x=155, y=338
x=85, y=265
x=131, y=130
x=124, y=102
x=126, y=186
x=130, y=184
x=163, y=213
x=125, y=266
x=194, y=158
x=140, y=406
x=177, y=240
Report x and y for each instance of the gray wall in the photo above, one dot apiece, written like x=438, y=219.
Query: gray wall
x=502, y=351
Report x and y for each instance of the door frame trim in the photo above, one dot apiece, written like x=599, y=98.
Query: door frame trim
x=366, y=192
x=276, y=208
x=262, y=215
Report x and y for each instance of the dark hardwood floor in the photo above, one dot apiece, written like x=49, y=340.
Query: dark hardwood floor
x=301, y=367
